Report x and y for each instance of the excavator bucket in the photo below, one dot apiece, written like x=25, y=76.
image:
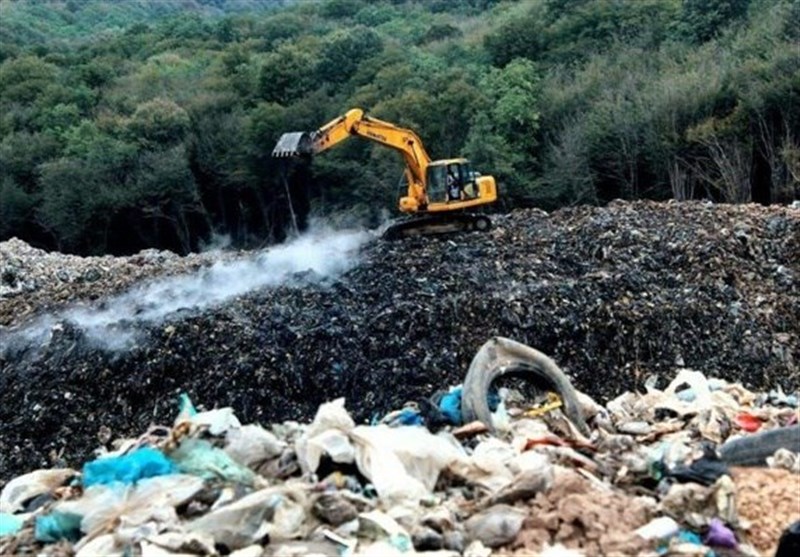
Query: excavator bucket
x=293, y=144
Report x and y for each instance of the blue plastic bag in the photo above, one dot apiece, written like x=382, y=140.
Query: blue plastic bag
x=450, y=404
x=687, y=536
x=130, y=468
x=57, y=526
x=406, y=416
x=10, y=524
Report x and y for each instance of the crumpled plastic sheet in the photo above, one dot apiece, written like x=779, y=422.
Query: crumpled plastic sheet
x=103, y=508
x=200, y=458
x=27, y=486
x=142, y=463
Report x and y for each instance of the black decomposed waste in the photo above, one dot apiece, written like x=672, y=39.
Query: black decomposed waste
x=613, y=294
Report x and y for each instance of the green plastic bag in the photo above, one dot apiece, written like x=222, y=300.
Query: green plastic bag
x=200, y=458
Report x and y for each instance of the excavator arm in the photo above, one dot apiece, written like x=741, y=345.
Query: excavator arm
x=356, y=123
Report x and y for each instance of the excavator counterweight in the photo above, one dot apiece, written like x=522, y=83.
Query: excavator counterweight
x=439, y=192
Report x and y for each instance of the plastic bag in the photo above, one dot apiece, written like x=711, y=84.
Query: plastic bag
x=186, y=408
x=492, y=464
x=706, y=471
x=694, y=504
x=496, y=526
x=10, y=524
x=659, y=528
x=406, y=416
x=105, y=545
x=289, y=519
x=242, y=522
x=200, y=458
x=218, y=421
x=58, y=526
x=327, y=434
x=404, y=463
x=252, y=445
x=152, y=499
x=196, y=543
x=333, y=443
x=450, y=406
x=331, y=415
x=26, y=487
x=141, y=463
x=719, y=535
x=698, y=394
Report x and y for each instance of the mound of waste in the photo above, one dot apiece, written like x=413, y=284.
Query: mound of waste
x=653, y=473
x=615, y=295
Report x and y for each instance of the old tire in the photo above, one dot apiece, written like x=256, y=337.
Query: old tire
x=753, y=450
x=501, y=357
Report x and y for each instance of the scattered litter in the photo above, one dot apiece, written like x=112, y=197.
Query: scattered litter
x=747, y=422
x=496, y=526
x=24, y=488
x=638, y=475
x=659, y=528
x=719, y=535
x=200, y=458
x=141, y=463
x=10, y=524
x=705, y=470
x=58, y=526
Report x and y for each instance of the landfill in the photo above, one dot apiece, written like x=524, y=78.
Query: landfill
x=645, y=474
x=675, y=326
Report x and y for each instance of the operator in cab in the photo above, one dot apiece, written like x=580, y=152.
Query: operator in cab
x=453, y=184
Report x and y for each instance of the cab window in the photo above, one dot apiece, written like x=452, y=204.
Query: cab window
x=437, y=183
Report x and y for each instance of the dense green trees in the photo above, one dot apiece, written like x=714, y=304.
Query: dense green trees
x=133, y=124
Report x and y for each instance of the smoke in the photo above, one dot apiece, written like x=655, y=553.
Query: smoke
x=312, y=257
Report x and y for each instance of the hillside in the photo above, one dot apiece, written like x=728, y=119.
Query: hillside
x=130, y=125
x=613, y=294
x=63, y=22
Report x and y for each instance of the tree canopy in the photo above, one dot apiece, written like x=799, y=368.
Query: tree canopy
x=135, y=124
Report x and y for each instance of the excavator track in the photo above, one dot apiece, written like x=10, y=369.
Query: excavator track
x=432, y=225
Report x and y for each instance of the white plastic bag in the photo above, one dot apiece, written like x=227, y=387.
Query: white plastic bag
x=218, y=421
x=327, y=434
x=249, y=519
x=252, y=445
x=403, y=463
x=103, y=507
x=25, y=487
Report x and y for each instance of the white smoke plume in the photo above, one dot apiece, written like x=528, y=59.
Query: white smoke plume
x=319, y=254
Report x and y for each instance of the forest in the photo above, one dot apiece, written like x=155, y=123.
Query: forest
x=134, y=124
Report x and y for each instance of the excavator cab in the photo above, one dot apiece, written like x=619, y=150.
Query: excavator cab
x=451, y=181
x=453, y=184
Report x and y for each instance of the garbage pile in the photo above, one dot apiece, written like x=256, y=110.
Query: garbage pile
x=677, y=469
x=33, y=280
x=614, y=294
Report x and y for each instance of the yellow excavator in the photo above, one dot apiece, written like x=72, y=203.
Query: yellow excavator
x=440, y=193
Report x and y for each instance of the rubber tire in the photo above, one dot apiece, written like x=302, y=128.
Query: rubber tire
x=753, y=450
x=504, y=357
